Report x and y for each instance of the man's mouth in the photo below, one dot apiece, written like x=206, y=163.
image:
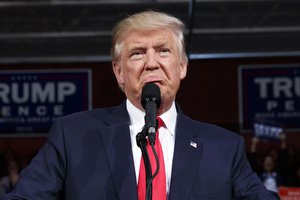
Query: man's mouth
x=152, y=79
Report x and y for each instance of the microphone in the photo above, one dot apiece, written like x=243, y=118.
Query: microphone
x=150, y=101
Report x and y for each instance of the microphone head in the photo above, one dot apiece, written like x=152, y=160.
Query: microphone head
x=151, y=92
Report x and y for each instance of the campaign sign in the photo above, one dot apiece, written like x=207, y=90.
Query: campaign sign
x=267, y=129
x=289, y=193
x=30, y=100
x=270, y=92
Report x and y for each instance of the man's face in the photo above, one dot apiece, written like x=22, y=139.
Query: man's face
x=150, y=56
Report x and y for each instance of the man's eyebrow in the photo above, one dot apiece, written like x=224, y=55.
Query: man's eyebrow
x=139, y=46
x=135, y=47
x=162, y=44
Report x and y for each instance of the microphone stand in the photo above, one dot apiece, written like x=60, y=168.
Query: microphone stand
x=142, y=143
x=149, y=182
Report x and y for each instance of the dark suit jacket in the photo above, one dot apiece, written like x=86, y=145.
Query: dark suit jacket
x=88, y=156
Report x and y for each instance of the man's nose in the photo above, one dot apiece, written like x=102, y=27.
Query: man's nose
x=151, y=61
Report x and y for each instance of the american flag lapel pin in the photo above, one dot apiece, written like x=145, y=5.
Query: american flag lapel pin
x=193, y=144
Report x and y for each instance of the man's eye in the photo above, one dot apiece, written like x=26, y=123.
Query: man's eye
x=164, y=52
x=136, y=55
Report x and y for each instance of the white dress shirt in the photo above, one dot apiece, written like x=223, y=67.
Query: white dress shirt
x=166, y=137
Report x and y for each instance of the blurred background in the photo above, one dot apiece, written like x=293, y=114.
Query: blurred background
x=243, y=74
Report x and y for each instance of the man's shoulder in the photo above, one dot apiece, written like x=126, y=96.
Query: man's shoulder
x=208, y=129
x=88, y=116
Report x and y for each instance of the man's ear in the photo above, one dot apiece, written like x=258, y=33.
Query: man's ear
x=183, y=68
x=117, y=68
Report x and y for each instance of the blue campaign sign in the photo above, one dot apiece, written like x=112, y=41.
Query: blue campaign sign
x=31, y=99
x=270, y=92
x=267, y=129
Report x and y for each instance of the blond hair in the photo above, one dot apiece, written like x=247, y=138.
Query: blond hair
x=147, y=20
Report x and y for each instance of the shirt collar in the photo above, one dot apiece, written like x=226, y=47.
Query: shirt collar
x=137, y=117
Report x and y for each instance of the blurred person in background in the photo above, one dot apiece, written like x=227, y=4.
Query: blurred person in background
x=269, y=176
x=279, y=166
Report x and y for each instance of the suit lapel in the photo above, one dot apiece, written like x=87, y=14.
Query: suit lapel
x=187, y=154
x=117, y=143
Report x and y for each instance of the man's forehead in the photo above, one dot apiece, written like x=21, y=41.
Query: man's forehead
x=157, y=38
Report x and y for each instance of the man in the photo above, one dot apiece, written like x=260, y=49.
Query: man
x=93, y=154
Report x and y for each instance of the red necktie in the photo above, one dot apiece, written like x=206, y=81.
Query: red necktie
x=159, y=182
